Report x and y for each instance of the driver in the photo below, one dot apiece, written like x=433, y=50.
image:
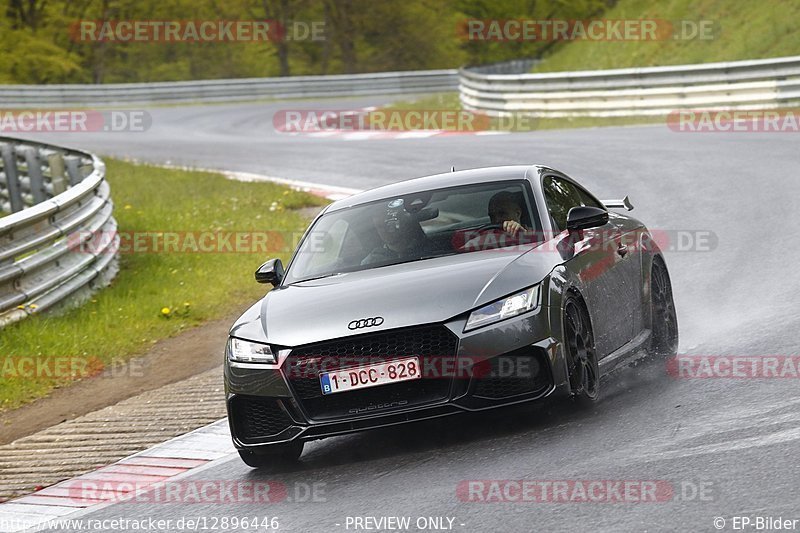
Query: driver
x=402, y=238
x=505, y=227
x=506, y=212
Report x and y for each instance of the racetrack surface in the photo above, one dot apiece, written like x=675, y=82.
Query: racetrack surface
x=739, y=435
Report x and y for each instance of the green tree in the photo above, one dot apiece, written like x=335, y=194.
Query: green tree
x=42, y=46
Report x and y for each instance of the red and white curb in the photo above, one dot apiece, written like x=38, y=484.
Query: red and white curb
x=146, y=470
x=122, y=480
x=368, y=135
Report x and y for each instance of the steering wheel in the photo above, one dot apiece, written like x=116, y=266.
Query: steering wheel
x=489, y=227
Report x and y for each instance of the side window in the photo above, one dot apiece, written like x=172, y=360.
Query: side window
x=588, y=199
x=561, y=196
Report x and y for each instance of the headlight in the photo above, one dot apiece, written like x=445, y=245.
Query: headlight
x=249, y=352
x=504, y=308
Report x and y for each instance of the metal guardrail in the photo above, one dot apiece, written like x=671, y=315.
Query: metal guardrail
x=425, y=81
x=57, y=199
x=756, y=84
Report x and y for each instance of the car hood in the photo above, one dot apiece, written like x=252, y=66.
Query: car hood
x=421, y=292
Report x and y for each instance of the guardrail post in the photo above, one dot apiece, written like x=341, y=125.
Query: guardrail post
x=35, y=175
x=56, y=162
x=12, y=177
x=73, y=165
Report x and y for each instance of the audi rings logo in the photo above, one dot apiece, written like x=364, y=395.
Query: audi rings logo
x=365, y=323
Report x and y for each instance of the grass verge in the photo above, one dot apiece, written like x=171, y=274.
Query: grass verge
x=156, y=294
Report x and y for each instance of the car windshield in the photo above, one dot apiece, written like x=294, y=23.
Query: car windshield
x=415, y=227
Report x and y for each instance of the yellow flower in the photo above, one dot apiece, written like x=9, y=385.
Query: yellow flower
x=128, y=206
x=165, y=311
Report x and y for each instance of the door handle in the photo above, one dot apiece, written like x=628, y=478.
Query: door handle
x=622, y=250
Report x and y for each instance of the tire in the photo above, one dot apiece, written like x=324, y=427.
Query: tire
x=664, y=335
x=272, y=456
x=583, y=368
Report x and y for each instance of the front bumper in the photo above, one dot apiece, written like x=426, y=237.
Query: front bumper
x=514, y=361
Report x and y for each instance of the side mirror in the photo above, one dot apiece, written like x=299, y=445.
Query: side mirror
x=585, y=217
x=270, y=272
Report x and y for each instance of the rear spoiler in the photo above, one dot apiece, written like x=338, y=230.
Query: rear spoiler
x=625, y=203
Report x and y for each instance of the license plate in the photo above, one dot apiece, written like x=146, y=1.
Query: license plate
x=363, y=377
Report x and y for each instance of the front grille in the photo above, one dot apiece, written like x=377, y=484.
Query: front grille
x=434, y=345
x=255, y=417
x=512, y=374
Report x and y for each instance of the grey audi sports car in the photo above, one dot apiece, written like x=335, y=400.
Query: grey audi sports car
x=457, y=292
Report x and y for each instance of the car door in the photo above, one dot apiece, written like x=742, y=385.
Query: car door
x=626, y=242
x=597, y=261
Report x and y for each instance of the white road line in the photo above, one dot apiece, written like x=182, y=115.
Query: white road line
x=361, y=135
x=419, y=134
x=332, y=192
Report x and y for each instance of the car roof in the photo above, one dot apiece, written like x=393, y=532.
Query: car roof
x=439, y=181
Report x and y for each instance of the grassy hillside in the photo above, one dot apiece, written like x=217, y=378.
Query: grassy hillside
x=742, y=30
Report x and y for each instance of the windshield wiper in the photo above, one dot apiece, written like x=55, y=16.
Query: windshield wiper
x=319, y=277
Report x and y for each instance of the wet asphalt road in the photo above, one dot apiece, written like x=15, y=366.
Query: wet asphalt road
x=737, y=437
